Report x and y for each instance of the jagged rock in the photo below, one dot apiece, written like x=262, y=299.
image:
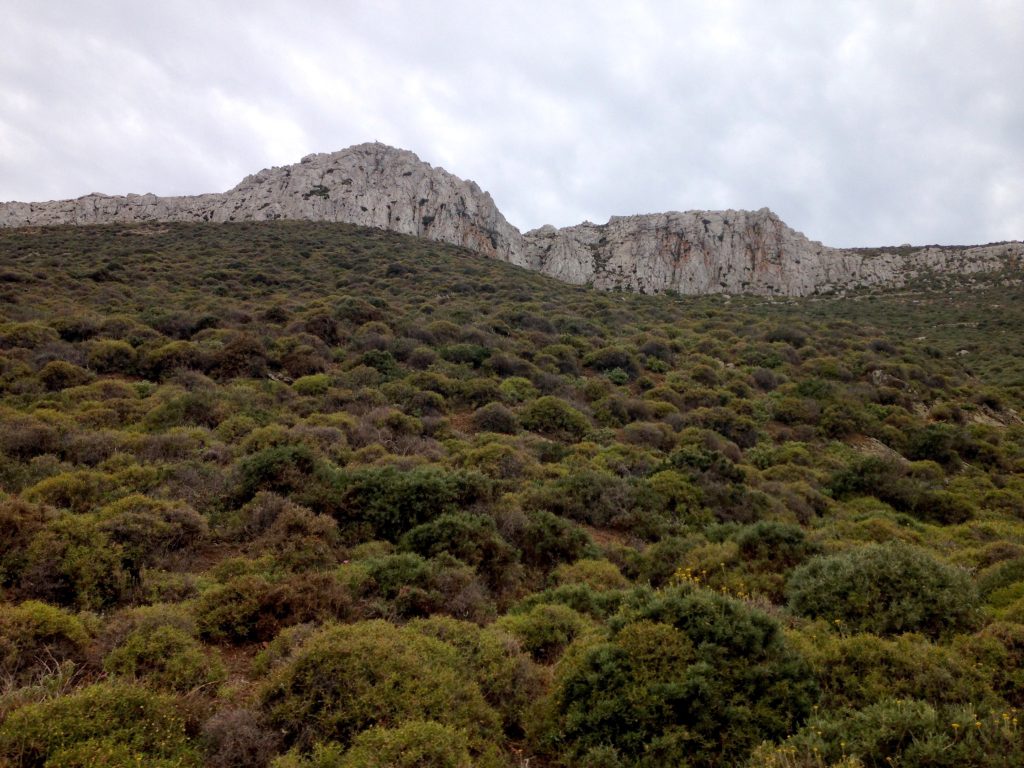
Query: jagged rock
x=689, y=252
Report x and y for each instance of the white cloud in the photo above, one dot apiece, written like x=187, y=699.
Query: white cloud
x=859, y=123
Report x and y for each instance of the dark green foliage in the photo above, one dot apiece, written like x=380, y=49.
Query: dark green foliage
x=392, y=501
x=688, y=677
x=283, y=469
x=774, y=545
x=885, y=589
x=547, y=540
x=473, y=539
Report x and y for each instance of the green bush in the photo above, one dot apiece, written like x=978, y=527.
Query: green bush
x=165, y=657
x=112, y=356
x=108, y=724
x=547, y=540
x=860, y=669
x=147, y=528
x=508, y=680
x=34, y=635
x=689, y=677
x=551, y=416
x=904, y=732
x=19, y=523
x=281, y=469
x=251, y=607
x=393, y=501
x=73, y=563
x=775, y=546
x=473, y=539
x=58, y=374
x=347, y=679
x=886, y=589
x=544, y=631
x=495, y=417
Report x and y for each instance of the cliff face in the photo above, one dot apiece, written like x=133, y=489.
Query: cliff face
x=693, y=252
x=700, y=252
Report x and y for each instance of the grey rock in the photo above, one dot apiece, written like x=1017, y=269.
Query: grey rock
x=692, y=252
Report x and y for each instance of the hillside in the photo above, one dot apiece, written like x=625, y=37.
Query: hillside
x=327, y=495
x=691, y=253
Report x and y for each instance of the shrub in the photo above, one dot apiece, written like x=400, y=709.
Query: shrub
x=547, y=540
x=508, y=680
x=860, y=669
x=250, y=607
x=19, y=523
x=609, y=358
x=58, y=374
x=238, y=738
x=600, y=574
x=23, y=437
x=346, y=679
x=495, y=417
x=112, y=356
x=774, y=545
x=72, y=563
x=415, y=744
x=554, y=417
x=544, y=630
x=473, y=539
x=885, y=589
x=78, y=491
x=282, y=469
x=905, y=732
x=147, y=528
x=393, y=501
x=166, y=657
x=689, y=677
x=107, y=724
x=34, y=635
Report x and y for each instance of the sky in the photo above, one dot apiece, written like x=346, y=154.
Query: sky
x=859, y=123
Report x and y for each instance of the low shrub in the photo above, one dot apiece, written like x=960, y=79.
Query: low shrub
x=108, y=724
x=886, y=589
x=35, y=636
x=346, y=679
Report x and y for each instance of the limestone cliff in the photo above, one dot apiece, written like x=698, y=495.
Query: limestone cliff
x=739, y=252
x=369, y=184
x=688, y=252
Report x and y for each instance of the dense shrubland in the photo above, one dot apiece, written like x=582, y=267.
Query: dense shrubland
x=312, y=495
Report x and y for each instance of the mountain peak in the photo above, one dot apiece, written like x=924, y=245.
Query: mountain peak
x=377, y=185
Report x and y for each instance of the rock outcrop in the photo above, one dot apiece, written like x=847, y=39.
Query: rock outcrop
x=688, y=252
x=371, y=185
x=700, y=252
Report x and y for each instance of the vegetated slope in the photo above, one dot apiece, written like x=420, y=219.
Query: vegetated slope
x=335, y=496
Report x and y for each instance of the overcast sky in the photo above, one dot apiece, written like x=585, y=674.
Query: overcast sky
x=859, y=123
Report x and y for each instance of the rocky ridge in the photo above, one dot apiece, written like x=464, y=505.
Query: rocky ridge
x=688, y=252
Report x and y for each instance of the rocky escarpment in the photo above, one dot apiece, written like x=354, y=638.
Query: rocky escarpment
x=700, y=252
x=369, y=184
x=689, y=252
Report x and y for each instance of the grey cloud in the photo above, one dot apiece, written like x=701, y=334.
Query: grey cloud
x=859, y=123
